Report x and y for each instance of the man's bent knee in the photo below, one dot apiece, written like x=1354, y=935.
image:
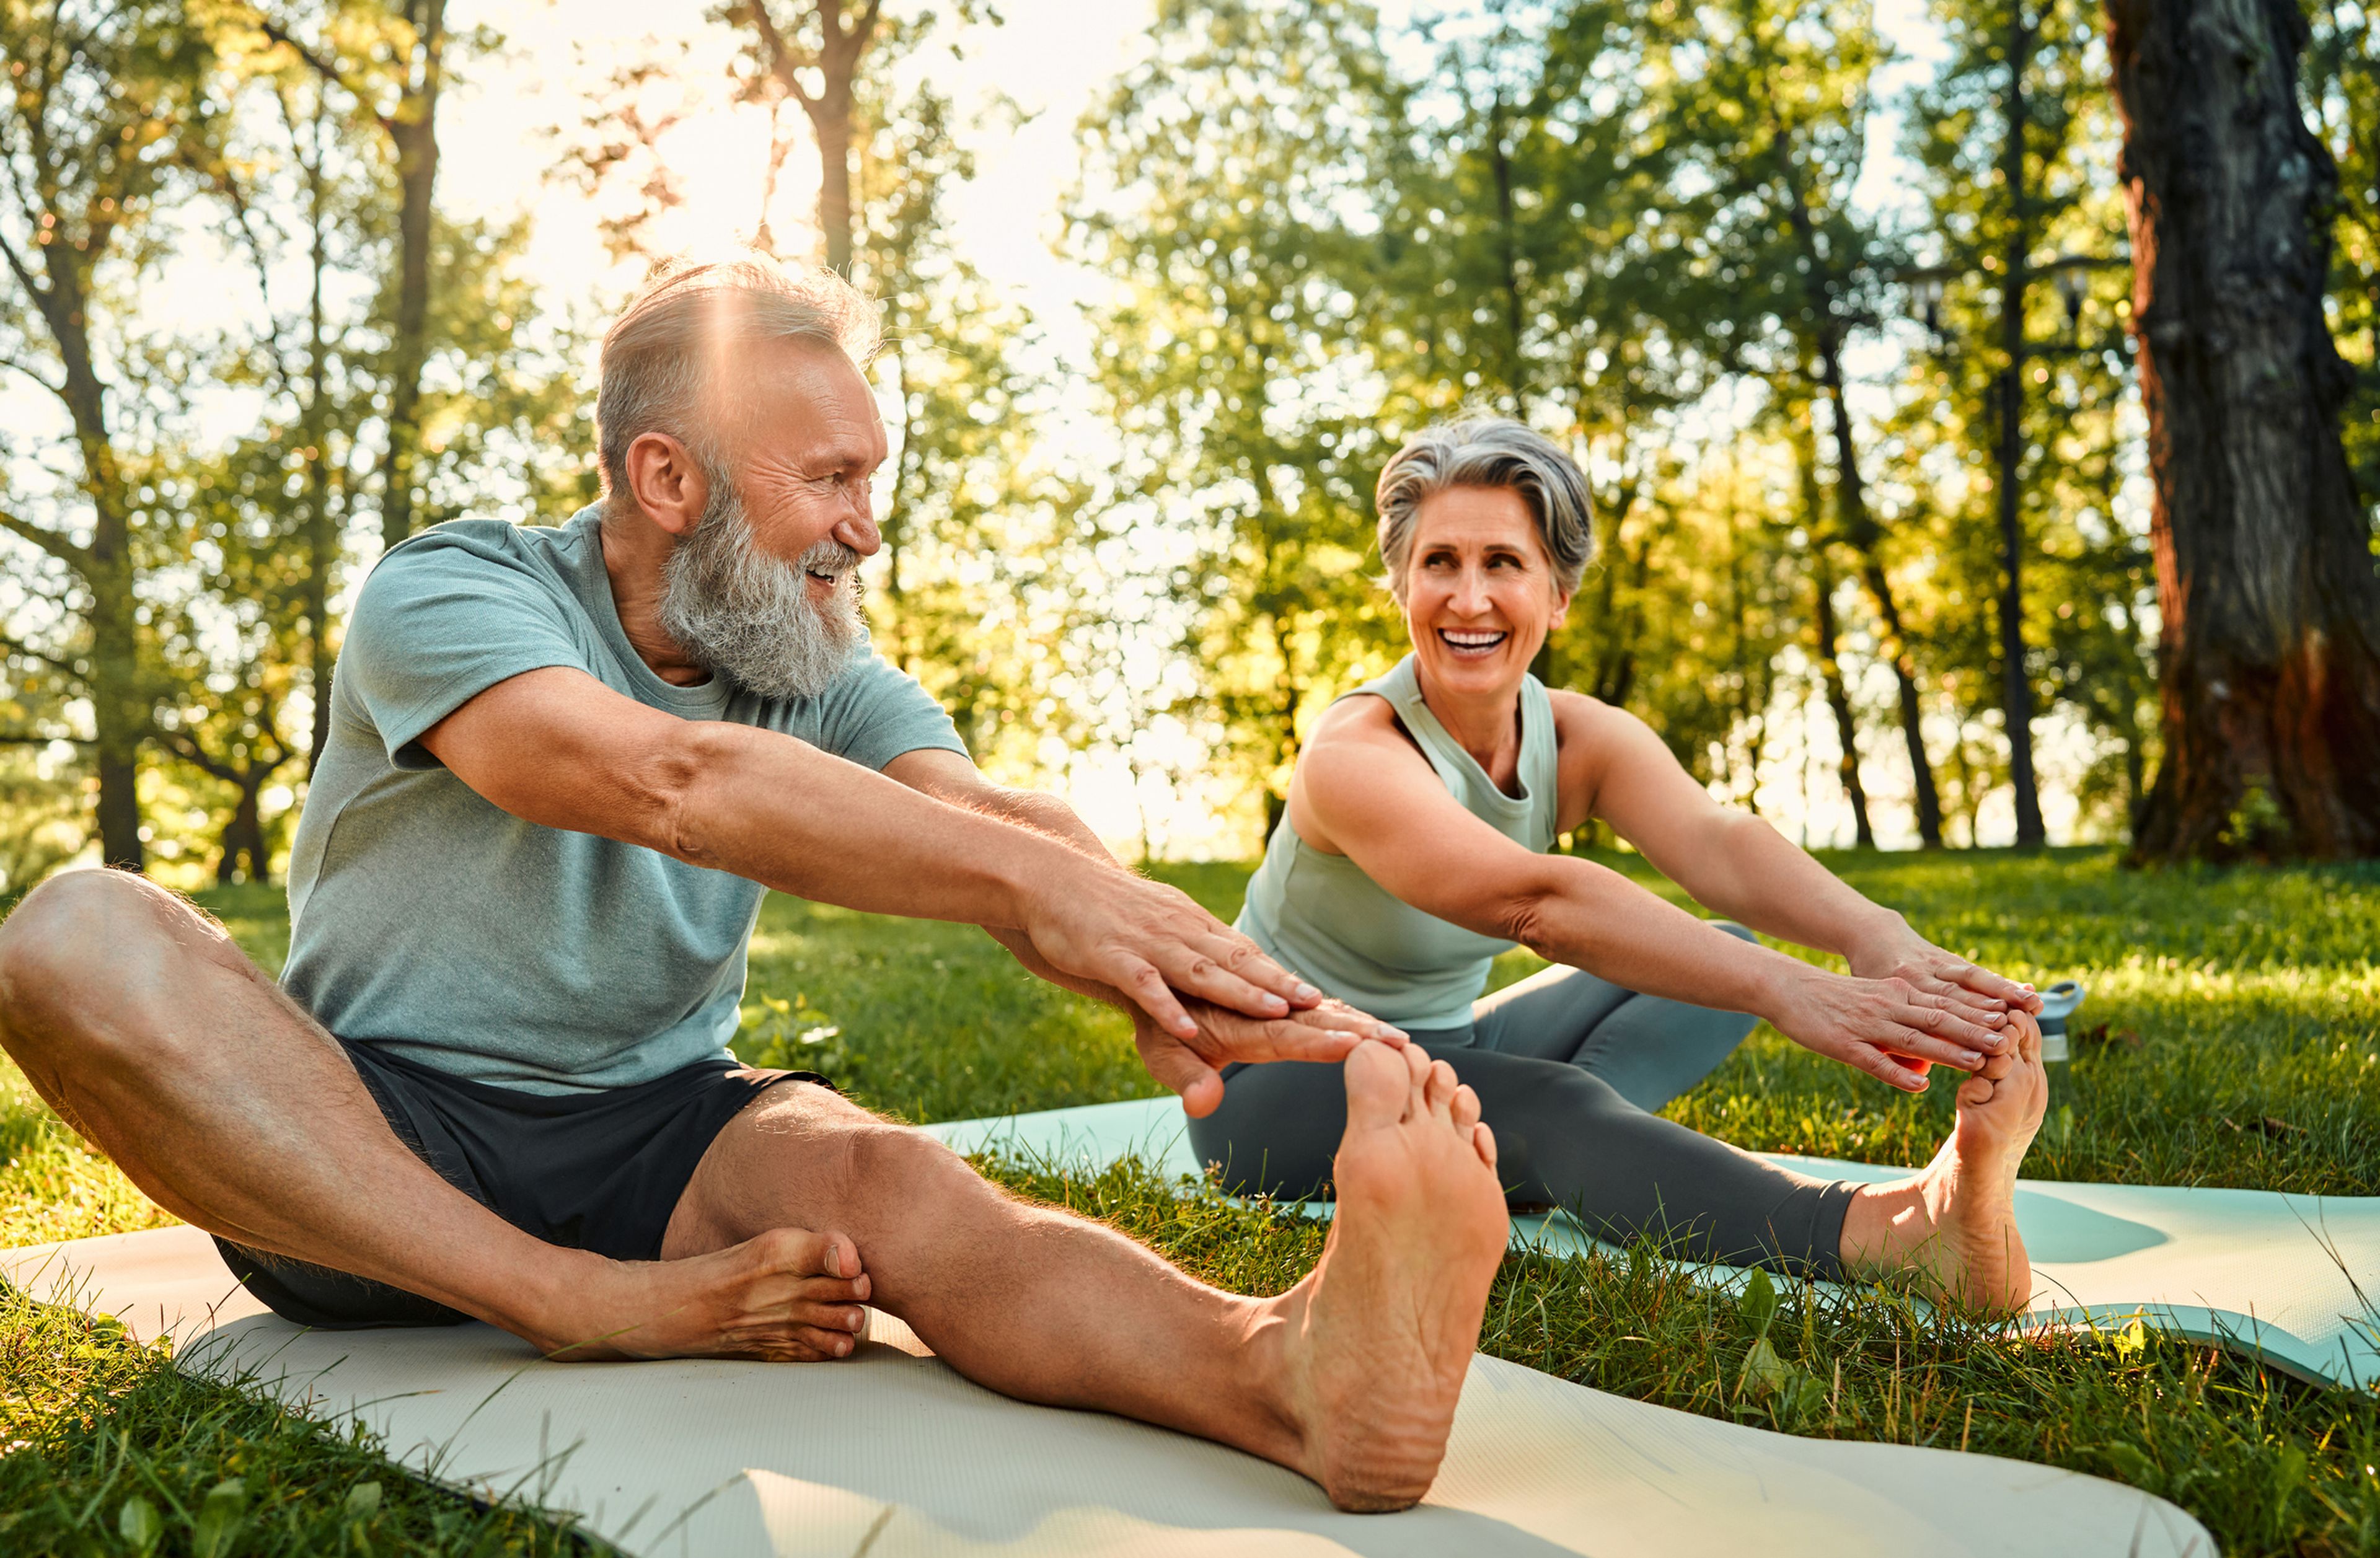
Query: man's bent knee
x=85, y=940
x=883, y=1159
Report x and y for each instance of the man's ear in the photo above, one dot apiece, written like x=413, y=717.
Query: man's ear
x=667, y=484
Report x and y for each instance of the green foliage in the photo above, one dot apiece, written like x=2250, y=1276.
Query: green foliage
x=109, y=1450
x=2232, y=1037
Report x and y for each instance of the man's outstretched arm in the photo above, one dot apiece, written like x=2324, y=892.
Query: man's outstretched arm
x=557, y=748
x=1191, y=1066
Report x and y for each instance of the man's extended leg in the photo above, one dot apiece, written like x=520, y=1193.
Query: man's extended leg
x=142, y=1024
x=1351, y=1377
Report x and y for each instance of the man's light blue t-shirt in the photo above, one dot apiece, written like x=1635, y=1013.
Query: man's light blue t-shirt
x=426, y=920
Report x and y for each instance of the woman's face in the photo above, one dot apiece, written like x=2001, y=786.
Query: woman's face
x=1480, y=595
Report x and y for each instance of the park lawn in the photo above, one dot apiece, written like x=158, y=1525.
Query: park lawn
x=2241, y=1046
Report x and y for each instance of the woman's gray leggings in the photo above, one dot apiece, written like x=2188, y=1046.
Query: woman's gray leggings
x=1568, y=1069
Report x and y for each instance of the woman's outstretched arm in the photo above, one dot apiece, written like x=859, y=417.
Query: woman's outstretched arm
x=1363, y=791
x=1735, y=862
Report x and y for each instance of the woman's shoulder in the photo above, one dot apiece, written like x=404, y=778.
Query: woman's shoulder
x=1362, y=716
x=1580, y=714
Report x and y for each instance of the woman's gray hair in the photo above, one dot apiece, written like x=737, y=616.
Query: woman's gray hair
x=690, y=323
x=1493, y=452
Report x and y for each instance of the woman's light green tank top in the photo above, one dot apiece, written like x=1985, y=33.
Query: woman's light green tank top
x=1321, y=916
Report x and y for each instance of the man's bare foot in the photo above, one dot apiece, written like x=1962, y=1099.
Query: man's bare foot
x=1380, y=1333
x=1955, y=1224
x=789, y=1296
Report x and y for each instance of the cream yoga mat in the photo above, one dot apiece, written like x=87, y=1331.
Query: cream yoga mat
x=2293, y=1279
x=890, y=1454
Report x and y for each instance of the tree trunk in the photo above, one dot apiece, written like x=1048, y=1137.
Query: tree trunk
x=414, y=129
x=1866, y=537
x=321, y=536
x=1508, y=255
x=2016, y=684
x=120, y=723
x=1839, y=698
x=2271, y=612
x=243, y=835
x=833, y=118
x=840, y=48
x=1822, y=622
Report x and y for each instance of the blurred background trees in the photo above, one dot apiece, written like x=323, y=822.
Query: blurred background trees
x=1892, y=544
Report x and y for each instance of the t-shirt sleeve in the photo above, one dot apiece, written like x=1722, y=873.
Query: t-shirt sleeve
x=876, y=711
x=438, y=623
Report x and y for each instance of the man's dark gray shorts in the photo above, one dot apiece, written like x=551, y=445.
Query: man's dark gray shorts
x=599, y=1171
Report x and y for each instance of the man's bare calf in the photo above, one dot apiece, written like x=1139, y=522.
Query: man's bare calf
x=144, y=1026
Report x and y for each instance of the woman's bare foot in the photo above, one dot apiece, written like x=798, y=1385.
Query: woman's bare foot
x=788, y=1296
x=1380, y=1336
x=1955, y=1224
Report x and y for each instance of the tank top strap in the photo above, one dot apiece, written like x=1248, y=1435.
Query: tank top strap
x=1527, y=818
x=1400, y=688
x=1540, y=760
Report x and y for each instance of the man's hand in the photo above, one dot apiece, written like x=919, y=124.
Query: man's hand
x=1152, y=944
x=1191, y=1066
x=1889, y=1028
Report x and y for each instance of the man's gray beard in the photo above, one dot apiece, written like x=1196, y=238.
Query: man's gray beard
x=743, y=615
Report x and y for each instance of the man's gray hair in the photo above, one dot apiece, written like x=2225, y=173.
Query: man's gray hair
x=1494, y=452
x=673, y=344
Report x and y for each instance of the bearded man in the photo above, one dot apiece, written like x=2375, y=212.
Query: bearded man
x=564, y=765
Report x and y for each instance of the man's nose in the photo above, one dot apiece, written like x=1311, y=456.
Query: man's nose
x=858, y=529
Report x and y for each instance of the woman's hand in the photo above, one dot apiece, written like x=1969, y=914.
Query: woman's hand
x=1896, y=952
x=1887, y=1028
x=1192, y=1066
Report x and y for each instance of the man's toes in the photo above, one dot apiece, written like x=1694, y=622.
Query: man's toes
x=1466, y=1107
x=833, y=1319
x=1483, y=1141
x=832, y=1291
x=1438, y=1091
x=822, y=1343
x=1379, y=1081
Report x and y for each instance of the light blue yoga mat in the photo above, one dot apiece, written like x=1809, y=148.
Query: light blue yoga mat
x=2291, y=1279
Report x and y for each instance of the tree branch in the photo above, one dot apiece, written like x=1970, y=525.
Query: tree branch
x=49, y=541
x=18, y=647
x=323, y=66
x=12, y=738
x=782, y=61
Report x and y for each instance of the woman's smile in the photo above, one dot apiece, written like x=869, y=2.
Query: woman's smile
x=1473, y=643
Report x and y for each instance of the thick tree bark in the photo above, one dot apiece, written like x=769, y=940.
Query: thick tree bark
x=2016, y=269
x=414, y=129
x=2265, y=582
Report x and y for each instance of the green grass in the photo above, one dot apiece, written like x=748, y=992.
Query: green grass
x=2241, y=1011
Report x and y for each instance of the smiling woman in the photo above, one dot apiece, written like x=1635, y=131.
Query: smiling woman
x=1416, y=847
